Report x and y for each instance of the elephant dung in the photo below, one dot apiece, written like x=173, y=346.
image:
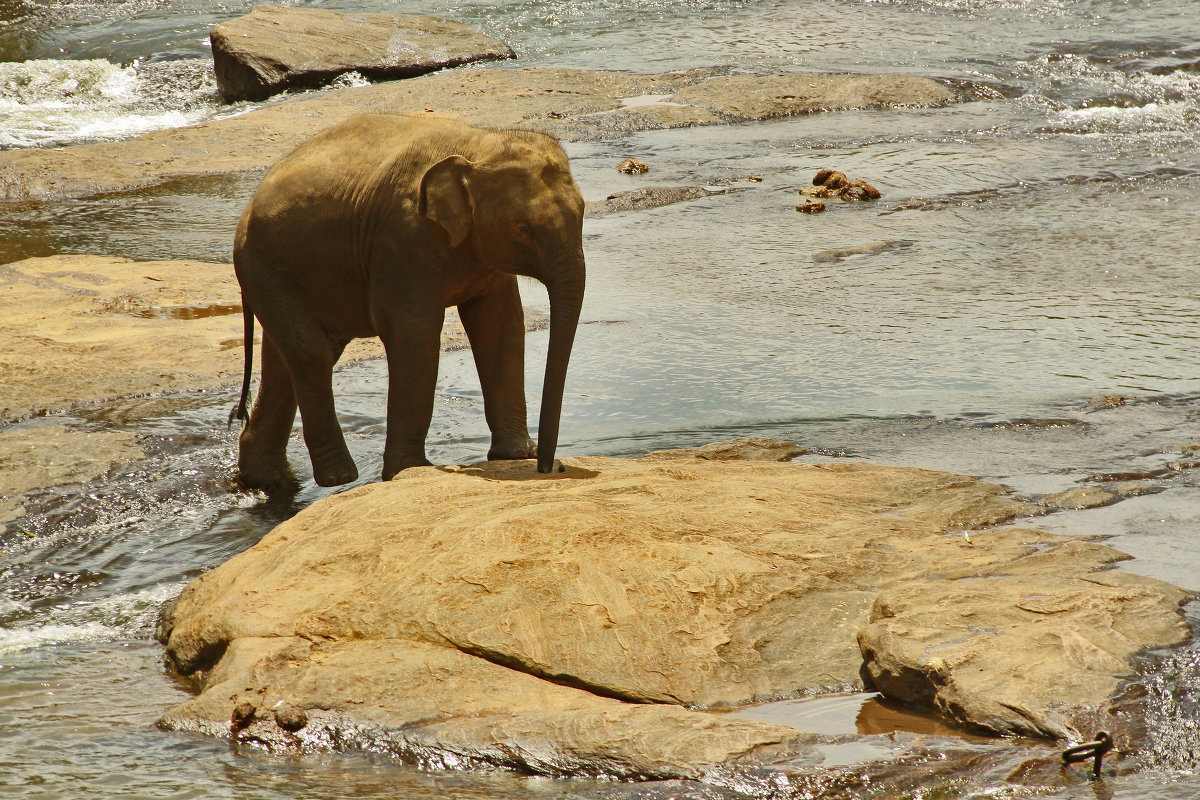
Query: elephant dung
x=582, y=621
x=275, y=49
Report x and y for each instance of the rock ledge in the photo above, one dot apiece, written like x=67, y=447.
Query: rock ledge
x=581, y=622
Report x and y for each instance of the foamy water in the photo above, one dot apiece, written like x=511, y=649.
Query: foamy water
x=48, y=102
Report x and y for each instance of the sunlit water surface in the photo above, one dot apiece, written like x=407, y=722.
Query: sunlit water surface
x=1034, y=249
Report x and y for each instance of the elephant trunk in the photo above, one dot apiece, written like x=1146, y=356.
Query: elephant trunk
x=565, y=289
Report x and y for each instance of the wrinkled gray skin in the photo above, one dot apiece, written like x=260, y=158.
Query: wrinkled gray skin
x=374, y=228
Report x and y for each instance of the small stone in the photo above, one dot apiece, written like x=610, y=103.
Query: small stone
x=811, y=207
x=243, y=715
x=816, y=191
x=631, y=166
x=290, y=718
x=755, y=178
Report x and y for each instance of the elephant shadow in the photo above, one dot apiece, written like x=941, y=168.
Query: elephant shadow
x=521, y=470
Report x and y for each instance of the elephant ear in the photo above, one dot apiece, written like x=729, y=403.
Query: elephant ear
x=445, y=198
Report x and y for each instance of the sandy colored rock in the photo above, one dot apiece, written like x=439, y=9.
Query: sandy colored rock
x=569, y=103
x=492, y=613
x=84, y=328
x=81, y=329
x=274, y=48
x=1019, y=654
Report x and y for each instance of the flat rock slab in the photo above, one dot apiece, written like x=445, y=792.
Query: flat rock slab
x=274, y=49
x=583, y=621
x=571, y=104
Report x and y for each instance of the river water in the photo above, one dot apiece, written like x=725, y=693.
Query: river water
x=1034, y=250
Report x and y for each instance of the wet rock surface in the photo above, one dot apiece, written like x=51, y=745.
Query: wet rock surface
x=571, y=104
x=274, y=49
x=583, y=621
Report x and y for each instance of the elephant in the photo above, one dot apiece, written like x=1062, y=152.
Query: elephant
x=374, y=228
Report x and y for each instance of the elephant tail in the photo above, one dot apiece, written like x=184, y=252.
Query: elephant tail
x=240, y=411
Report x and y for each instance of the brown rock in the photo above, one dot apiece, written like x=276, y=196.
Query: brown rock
x=754, y=448
x=811, y=207
x=830, y=179
x=290, y=718
x=242, y=715
x=1023, y=654
x=493, y=615
x=274, y=49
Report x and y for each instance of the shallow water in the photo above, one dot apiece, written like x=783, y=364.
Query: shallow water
x=1037, y=252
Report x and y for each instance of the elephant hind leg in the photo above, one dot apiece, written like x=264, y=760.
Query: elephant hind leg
x=262, y=445
x=310, y=359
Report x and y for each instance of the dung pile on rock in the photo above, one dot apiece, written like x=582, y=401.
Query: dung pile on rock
x=830, y=183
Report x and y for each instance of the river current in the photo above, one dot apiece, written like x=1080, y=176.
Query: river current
x=1033, y=252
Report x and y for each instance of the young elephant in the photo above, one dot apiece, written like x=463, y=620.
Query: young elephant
x=374, y=228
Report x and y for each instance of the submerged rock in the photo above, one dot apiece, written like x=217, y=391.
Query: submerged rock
x=647, y=197
x=273, y=49
x=581, y=621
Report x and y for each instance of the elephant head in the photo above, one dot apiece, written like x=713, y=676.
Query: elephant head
x=512, y=205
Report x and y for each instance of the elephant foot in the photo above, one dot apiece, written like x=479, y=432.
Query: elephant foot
x=332, y=464
x=336, y=473
x=513, y=450
x=391, y=468
x=272, y=479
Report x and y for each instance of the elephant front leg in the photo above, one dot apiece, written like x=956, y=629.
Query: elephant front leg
x=413, y=344
x=262, y=445
x=495, y=324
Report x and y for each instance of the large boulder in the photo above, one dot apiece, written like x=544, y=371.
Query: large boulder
x=585, y=620
x=273, y=48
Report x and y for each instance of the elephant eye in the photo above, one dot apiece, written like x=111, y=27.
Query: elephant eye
x=524, y=228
